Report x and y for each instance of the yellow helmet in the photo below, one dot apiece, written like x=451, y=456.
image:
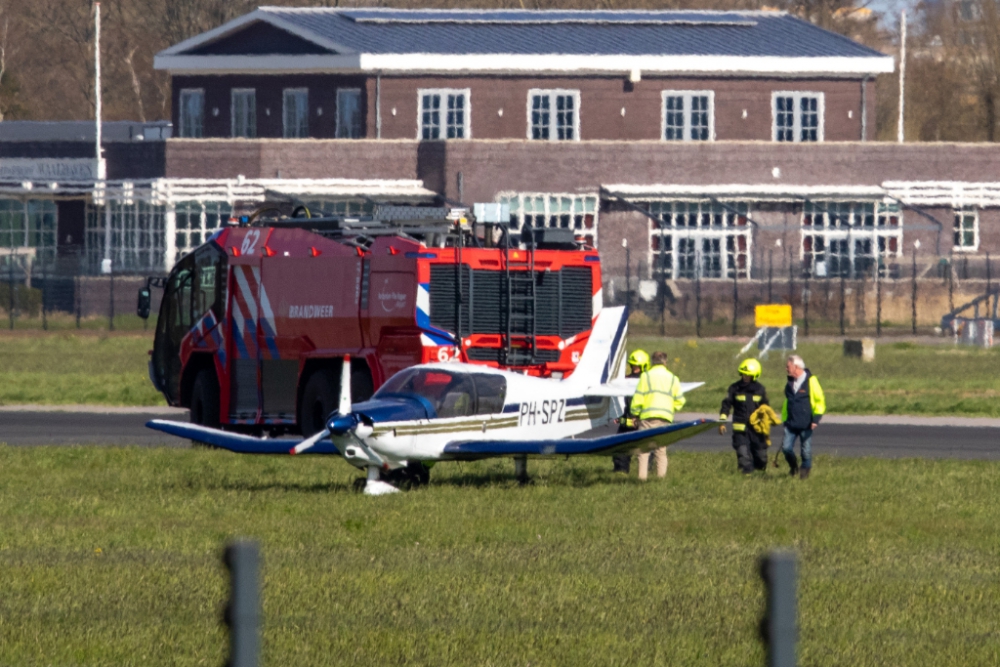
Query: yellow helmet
x=639, y=358
x=750, y=367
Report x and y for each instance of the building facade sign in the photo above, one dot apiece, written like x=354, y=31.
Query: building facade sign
x=48, y=169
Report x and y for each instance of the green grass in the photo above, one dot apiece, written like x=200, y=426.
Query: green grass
x=112, y=557
x=68, y=368
x=905, y=378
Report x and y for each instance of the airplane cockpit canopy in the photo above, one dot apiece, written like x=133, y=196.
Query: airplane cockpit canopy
x=450, y=393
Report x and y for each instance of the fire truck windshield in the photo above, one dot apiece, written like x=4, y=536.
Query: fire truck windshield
x=450, y=394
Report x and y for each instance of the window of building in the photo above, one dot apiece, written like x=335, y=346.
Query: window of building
x=797, y=116
x=295, y=116
x=137, y=235
x=576, y=212
x=967, y=229
x=195, y=221
x=244, y=112
x=848, y=239
x=28, y=224
x=350, y=119
x=704, y=239
x=444, y=114
x=192, y=110
x=688, y=115
x=554, y=115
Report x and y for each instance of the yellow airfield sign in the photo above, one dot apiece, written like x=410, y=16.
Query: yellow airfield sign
x=773, y=315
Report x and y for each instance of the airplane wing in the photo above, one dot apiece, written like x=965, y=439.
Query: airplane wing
x=235, y=442
x=626, y=387
x=606, y=445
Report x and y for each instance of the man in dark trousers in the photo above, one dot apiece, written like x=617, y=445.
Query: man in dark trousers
x=638, y=362
x=803, y=408
x=743, y=398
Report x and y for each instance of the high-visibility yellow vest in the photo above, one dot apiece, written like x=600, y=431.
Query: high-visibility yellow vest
x=658, y=395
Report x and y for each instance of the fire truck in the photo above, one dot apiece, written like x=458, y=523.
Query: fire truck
x=255, y=324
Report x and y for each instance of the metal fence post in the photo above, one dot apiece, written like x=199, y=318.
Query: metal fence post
x=111, y=299
x=10, y=286
x=805, y=305
x=779, y=628
x=913, y=298
x=736, y=296
x=45, y=284
x=878, y=303
x=697, y=296
x=770, y=276
x=843, y=300
x=242, y=613
x=78, y=284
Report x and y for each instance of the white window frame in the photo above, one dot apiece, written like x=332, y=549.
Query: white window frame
x=797, y=96
x=720, y=226
x=444, y=93
x=337, y=127
x=849, y=226
x=285, y=125
x=554, y=210
x=961, y=213
x=552, y=94
x=251, y=127
x=687, y=95
x=183, y=119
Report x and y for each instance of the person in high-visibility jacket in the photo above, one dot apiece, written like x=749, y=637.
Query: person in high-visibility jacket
x=638, y=363
x=804, y=406
x=742, y=398
x=657, y=397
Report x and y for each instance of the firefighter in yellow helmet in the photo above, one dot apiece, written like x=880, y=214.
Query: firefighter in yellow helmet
x=657, y=397
x=638, y=362
x=742, y=399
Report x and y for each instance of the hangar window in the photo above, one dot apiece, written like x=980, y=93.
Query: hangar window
x=192, y=112
x=797, y=116
x=967, y=229
x=137, y=235
x=195, y=222
x=244, y=113
x=567, y=211
x=848, y=239
x=688, y=115
x=295, y=114
x=444, y=114
x=699, y=239
x=554, y=115
x=350, y=119
x=28, y=224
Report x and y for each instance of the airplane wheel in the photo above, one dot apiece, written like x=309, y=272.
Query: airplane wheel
x=205, y=400
x=319, y=399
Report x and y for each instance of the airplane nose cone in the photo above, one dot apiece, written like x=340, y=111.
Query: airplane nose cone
x=341, y=424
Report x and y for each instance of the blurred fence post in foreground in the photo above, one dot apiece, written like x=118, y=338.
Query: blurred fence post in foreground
x=242, y=613
x=779, y=628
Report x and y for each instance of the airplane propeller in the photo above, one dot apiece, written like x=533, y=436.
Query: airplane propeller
x=344, y=420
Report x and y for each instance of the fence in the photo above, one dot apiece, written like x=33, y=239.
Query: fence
x=910, y=299
x=62, y=293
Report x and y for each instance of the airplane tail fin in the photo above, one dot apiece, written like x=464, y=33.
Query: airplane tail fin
x=604, y=356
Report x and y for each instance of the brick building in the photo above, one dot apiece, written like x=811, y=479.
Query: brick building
x=712, y=143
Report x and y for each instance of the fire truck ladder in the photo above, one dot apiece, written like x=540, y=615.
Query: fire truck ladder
x=521, y=305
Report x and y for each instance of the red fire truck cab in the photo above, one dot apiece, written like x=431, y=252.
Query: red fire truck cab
x=255, y=323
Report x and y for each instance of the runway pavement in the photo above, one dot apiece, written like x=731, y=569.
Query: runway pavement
x=927, y=437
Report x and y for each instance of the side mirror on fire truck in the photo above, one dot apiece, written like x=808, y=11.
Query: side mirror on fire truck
x=145, y=298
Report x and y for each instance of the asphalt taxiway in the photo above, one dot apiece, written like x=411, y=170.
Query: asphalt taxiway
x=838, y=435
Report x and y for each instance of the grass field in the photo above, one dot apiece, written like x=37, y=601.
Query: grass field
x=905, y=378
x=111, y=556
x=65, y=368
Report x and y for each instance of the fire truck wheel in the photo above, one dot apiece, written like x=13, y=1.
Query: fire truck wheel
x=319, y=399
x=361, y=385
x=205, y=400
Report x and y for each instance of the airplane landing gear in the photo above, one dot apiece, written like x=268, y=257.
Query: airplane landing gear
x=521, y=470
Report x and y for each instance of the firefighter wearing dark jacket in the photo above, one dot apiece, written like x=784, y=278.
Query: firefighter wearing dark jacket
x=638, y=362
x=742, y=399
x=804, y=406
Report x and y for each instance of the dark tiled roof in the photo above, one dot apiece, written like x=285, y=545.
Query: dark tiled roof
x=590, y=33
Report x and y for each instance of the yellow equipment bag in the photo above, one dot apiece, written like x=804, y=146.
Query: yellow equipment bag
x=762, y=419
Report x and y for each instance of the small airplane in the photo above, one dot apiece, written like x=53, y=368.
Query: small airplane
x=453, y=411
